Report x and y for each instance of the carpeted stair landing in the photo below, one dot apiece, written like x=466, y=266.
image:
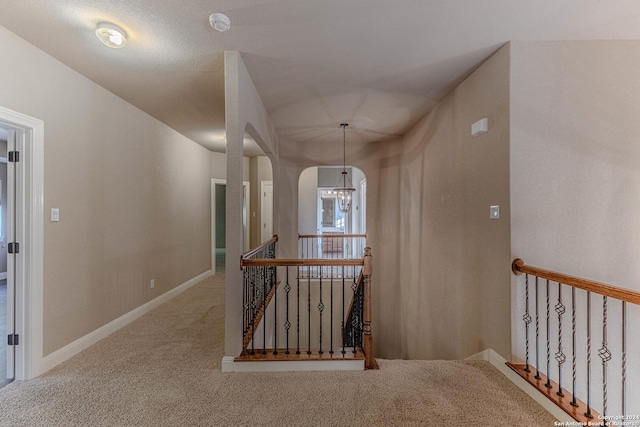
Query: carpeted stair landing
x=163, y=370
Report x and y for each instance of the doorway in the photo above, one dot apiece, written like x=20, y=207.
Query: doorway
x=7, y=289
x=24, y=226
x=219, y=222
x=266, y=211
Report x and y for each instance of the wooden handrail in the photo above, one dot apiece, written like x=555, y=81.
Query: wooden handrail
x=310, y=236
x=280, y=262
x=274, y=239
x=518, y=267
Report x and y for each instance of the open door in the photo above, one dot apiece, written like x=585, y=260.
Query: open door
x=8, y=228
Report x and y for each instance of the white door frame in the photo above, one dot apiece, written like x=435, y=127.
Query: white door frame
x=247, y=200
x=29, y=358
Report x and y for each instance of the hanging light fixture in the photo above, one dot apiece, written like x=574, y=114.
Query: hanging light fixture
x=344, y=191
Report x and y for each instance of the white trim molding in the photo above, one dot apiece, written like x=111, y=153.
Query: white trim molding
x=91, y=338
x=230, y=365
x=500, y=363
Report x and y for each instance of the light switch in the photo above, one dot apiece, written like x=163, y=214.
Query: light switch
x=494, y=212
x=55, y=214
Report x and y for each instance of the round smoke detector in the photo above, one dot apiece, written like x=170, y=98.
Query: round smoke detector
x=219, y=22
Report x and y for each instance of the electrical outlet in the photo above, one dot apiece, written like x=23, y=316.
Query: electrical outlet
x=153, y=283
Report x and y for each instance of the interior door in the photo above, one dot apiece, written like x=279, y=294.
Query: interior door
x=8, y=294
x=266, y=210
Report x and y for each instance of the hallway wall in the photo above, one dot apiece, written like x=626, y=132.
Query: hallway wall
x=575, y=182
x=134, y=196
x=452, y=293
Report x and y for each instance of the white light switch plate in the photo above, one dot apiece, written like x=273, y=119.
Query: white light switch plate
x=55, y=214
x=494, y=212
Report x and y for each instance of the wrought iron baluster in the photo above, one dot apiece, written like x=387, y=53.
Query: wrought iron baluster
x=342, y=321
x=588, y=413
x=309, y=311
x=320, y=310
x=331, y=318
x=574, y=403
x=275, y=310
x=560, y=356
x=527, y=321
x=537, y=333
x=298, y=314
x=624, y=360
x=605, y=355
x=254, y=298
x=357, y=328
x=287, y=323
x=245, y=304
x=264, y=310
x=548, y=383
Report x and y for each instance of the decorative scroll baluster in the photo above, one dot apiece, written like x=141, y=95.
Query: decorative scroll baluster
x=605, y=355
x=537, y=333
x=560, y=356
x=275, y=310
x=264, y=310
x=298, y=316
x=320, y=310
x=588, y=413
x=254, y=308
x=527, y=321
x=356, y=319
x=574, y=403
x=309, y=311
x=331, y=318
x=343, y=320
x=287, y=323
x=624, y=360
x=548, y=384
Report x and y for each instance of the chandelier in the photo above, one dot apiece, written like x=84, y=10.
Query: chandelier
x=344, y=190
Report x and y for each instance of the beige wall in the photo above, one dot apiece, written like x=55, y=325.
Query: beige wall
x=308, y=201
x=133, y=195
x=575, y=181
x=452, y=294
x=218, y=166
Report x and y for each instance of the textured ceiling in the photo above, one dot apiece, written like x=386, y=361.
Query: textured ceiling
x=376, y=64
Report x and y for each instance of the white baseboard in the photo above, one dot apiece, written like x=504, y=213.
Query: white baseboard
x=91, y=338
x=3, y=276
x=499, y=363
x=229, y=365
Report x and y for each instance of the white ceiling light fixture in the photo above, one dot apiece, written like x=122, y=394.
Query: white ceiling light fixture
x=220, y=22
x=111, y=35
x=344, y=192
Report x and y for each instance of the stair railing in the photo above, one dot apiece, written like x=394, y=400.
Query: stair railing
x=258, y=288
x=331, y=246
x=307, y=315
x=551, y=289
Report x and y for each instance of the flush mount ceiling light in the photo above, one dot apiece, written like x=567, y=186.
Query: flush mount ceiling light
x=220, y=22
x=346, y=190
x=111, y=35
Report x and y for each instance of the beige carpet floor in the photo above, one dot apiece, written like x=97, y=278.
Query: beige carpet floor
x=164, y=370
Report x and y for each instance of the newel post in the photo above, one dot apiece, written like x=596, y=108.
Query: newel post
x=367, y=270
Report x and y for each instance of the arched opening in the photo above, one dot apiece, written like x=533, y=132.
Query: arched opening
x=319, y=215
x=257, y=174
